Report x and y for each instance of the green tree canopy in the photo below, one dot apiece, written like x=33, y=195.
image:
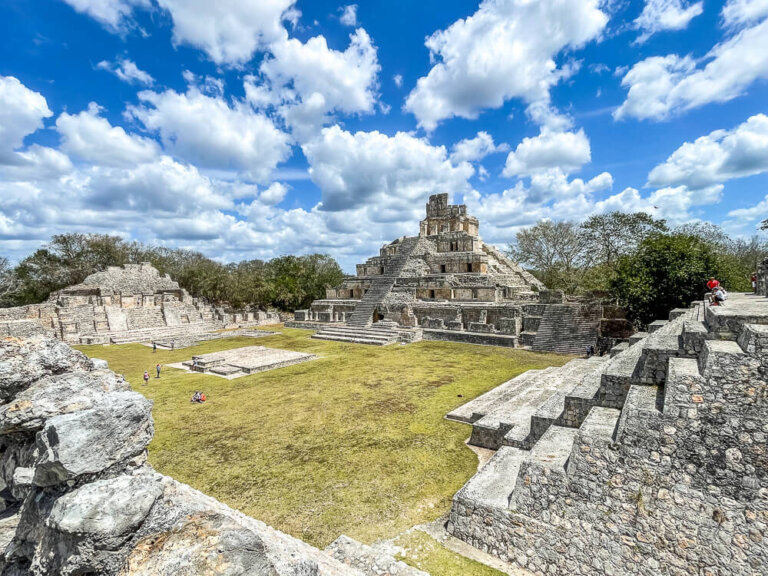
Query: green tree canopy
x=666, y=272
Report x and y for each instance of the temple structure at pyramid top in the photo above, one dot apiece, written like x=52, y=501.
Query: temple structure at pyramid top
x=447, y=283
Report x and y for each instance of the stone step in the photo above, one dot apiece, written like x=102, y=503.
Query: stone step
x=554, y=448
x=356, y=338
x=347, y=330
x=475, y=409
x=509, y=421
x=492, y=485
x=601, y=423
x=369, y=560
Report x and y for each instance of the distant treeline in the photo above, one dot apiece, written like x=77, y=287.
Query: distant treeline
x=641, y=262
x=286, y=283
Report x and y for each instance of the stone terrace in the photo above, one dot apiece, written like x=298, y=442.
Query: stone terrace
x=650, y=461
x=243, y=361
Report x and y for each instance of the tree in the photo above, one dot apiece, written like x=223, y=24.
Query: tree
x=617, y=234
x=557, y=251
x=666, y=272
x=8, y=282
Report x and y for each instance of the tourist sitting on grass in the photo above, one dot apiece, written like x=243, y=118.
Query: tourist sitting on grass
x=198, y=398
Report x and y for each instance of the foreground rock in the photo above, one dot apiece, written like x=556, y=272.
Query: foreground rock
x=79, y=497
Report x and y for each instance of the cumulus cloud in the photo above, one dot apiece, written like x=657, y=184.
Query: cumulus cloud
x=660, y=15
x=565, y=151
x=349, y=15
x=229, y=31
x=505, y=50
x=114, y=14
x=93, y=139
x=22, y=112
x=717, y=157
x=474, y=149
x=661, y=86
x=310, y=80
x=392, y=173
x=211, y=133
x=738, y=13
x=127, y=71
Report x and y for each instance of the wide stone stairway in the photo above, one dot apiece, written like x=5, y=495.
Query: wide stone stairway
x=359, y=327
x=553, y=430
x=567, y=328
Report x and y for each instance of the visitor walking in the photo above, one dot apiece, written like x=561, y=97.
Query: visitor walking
x=173, y=344
x=146, y=377
x=753, y=279
x=154, y=346
x=158, y=370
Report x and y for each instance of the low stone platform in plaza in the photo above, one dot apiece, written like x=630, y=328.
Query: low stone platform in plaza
x=242, y=361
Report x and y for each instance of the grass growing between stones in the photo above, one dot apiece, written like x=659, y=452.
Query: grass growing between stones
x=425, y=553
x=354, y=442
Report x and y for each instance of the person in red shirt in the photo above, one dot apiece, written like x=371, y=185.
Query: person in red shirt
x=712, y=284
x=753, y=279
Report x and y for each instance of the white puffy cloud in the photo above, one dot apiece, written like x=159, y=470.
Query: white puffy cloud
x=310, y=80
x=229, y=31
x=274, y=194
x=93, y=139
x=566, y=151
x=505, y=50
x=660, y=15
x=660, y=87
x=209, y=132
x=717, y=157
x=127, y=71
x=22, y=112
x=737, y=13
x=392, y=174
x=474, y=149
x=114, y=14
x=349, y=15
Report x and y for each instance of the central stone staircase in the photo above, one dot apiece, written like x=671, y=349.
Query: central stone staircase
x=362, y=316
x=359, y=329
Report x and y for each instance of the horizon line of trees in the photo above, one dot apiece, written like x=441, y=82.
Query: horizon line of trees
x=285, y=282
x=641, y=262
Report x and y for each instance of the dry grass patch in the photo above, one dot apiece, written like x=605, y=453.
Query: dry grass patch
x=354, y=442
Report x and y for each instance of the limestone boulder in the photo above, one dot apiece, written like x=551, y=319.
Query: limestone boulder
x=23, y=361
x=118, y=429
x=55, y=395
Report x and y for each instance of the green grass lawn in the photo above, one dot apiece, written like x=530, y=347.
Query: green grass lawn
x=354, y=442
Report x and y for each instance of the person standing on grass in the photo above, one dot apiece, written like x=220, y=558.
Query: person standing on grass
x=154, y=346
x=146, y=377
x=158, y=370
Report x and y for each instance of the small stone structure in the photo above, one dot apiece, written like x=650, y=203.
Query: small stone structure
x=80, y=499
x=449, y=283
x=650, y=461
x=239, y=362
x=130, y=304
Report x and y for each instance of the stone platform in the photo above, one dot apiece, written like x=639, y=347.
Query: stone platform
x=239, y=362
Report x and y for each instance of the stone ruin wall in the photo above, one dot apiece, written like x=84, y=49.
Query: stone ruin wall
x=122, y=300
x=80, y=499
x=680, y=492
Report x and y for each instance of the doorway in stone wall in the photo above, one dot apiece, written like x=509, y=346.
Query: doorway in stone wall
x=377, y=316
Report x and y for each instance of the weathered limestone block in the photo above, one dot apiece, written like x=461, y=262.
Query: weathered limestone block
x=24, y=361
x=482, y=328
x=434, y=323
x=55, y=395
x=90, y=441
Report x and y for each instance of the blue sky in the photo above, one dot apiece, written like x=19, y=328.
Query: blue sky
x=254, y=128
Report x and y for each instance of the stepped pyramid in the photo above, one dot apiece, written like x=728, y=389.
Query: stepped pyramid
x=447, y=284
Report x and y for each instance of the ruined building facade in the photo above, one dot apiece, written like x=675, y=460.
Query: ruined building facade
x=449, y=285
x=119, y=305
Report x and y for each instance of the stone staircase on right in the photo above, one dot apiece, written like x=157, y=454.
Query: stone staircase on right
x=651, y=460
